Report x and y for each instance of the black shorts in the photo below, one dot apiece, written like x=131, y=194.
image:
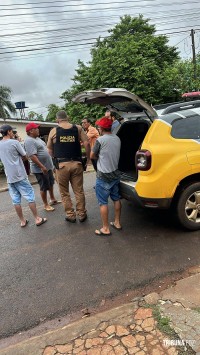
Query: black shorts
x=45, y=181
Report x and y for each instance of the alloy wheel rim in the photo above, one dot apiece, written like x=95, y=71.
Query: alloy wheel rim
x=192, y=207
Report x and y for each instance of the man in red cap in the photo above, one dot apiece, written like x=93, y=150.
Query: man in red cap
x=12, y=155
x=107, y=152
x=41, y=164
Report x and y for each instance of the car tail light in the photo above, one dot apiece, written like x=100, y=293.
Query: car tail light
x=143, y=159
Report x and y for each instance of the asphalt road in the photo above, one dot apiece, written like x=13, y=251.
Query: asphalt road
x=57, y=268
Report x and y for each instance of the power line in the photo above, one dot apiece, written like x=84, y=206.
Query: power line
x=168, y=14
x=68, y=28
x=60, y=43
x=97, y=18
x=55, y=37
x=46, y=43
x=68, y=5
x=62, y=51
x=38, y=55
x=52, y=4
x=80, y=28
x=97, y=9
x=23, y=43
x=40, y=49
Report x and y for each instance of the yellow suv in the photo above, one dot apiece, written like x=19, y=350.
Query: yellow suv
x=160, y=156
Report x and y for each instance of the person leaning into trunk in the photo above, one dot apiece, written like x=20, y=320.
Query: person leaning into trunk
x=41, y=164
x=92, y=134
x=115, y=122
x=12, y=155
x=107, y=152
x=64, y=145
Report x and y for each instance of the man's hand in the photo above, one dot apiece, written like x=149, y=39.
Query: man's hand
x=24, y=157
x=35, y=159
x=44, y=170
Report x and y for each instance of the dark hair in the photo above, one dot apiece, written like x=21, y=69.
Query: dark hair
x=113, y=114
x=4, y=133
x=88, y=119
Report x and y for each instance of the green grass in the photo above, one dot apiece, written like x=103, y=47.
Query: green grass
x=163, y=324
x=197, y=309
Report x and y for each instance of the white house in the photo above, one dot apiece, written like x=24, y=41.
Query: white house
x=20, y=126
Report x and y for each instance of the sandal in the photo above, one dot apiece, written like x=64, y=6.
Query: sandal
x=41, y=222
x=24, y=225
x=114, y=226
x=49, y=208
x=55, y=202
x=100, y=233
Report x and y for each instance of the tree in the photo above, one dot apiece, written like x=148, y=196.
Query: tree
x=52, y=110
x=131, y=57
x=185, y=75
x=34, y=116
x=6, y=106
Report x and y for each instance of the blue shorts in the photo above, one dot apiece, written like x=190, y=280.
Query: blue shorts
x=20, y=189
x=105, y=189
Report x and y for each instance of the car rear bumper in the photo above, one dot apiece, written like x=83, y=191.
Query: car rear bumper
x=128, y=191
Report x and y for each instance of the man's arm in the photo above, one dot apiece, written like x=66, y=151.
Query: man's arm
x=35, y=160
x=84, y=139
x=50, y=152
x=95, y=150
x=31, y=150
x=93, y=156
x=92, y=133
x=87, y=149
x=51, y=137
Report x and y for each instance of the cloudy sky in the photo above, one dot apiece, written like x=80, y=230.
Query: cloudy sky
x=42, y=40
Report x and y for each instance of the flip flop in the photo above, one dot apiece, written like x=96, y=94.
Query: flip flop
x=42, y=222
x=100, y=233
x=56, y=202
x=49, y=208
x=114, y=226
x=26, y=222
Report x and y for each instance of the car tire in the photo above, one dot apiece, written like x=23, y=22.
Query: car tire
x=188, y=207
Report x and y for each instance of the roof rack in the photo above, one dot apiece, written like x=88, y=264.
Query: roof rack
x=189, y=105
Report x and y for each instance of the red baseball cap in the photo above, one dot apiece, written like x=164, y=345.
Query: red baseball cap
x=31, y=125
x=104, y=122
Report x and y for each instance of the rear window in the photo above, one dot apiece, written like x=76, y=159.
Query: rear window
x=186, y=128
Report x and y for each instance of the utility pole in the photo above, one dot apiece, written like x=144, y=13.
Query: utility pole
x=193, y=54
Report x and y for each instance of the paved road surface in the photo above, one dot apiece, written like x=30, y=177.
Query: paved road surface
x=57, y=268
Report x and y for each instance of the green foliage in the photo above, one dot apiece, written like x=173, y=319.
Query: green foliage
x=6, y=106
x=185, y=80
x=52, y=110
x=131, y=57
x=34, y=116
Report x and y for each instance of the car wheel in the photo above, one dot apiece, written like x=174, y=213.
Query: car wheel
x=188, y=207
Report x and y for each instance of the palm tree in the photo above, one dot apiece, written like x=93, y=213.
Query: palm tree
x=6, y=106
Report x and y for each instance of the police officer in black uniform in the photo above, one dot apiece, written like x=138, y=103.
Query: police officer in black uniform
x=64, y=145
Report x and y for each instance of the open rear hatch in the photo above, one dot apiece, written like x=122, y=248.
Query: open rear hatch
x=138, y=116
